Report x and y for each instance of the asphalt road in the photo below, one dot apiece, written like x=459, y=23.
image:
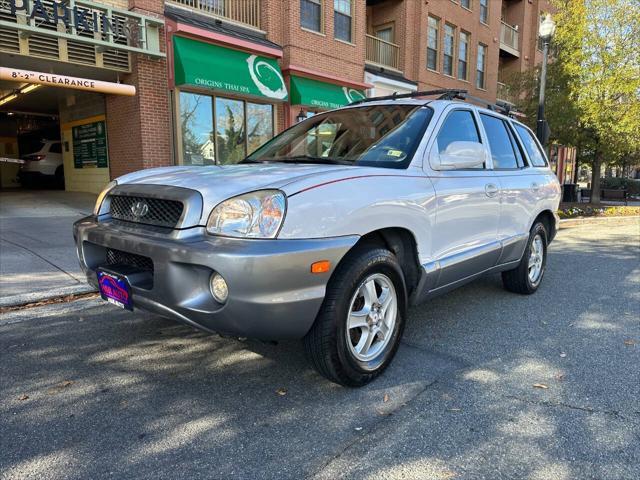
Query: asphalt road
x=88, y=391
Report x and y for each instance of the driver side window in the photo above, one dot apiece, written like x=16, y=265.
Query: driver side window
x=460, y=126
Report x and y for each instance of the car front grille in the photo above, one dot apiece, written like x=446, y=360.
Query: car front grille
x=118, y=257
x=151, y=211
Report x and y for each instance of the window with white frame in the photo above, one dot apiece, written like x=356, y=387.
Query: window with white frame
x=466, y=4
x=449, y=49
x=311, y=14
x=484, y=11
x=343, y=19
x=481, y=66
x=433, y=43
x=463, y=55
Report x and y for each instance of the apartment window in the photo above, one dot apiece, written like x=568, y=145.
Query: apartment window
x=433, y=33
x=449, y=48
x=484, y=11
x=463, y=55
x=481, y=66
x=466, y=4
x=311, y=14
x=342, y=21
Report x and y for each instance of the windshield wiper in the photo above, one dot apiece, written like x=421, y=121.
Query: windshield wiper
x=309, y=159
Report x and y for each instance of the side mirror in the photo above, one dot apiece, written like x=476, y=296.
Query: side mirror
x=458, y=156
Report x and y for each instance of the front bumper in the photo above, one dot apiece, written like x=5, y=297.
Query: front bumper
x=272, y=292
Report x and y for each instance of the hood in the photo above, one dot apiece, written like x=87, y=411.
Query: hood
x=218, y=183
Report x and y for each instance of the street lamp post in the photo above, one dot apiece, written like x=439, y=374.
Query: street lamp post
x=546, y=31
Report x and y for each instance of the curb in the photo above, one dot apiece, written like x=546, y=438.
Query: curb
x=34, y=297
x=576, y=222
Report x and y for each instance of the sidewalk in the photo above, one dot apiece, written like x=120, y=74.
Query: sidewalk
x=37, y=254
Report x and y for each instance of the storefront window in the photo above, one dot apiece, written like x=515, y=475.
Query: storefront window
x=196, y=120
x=259, y=124
x=238, y=128
x=230, y=130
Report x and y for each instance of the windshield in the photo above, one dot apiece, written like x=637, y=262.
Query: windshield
x=379, y=136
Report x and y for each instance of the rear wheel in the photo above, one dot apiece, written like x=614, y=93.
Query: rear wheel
x=527, y=276
x=358, y=328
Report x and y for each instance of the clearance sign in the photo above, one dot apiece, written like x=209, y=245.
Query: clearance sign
x=77, y=83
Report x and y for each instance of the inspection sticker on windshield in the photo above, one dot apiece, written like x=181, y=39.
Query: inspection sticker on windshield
x=394, y=153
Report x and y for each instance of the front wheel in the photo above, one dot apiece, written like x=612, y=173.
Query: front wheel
x=527, y=276
x=359, y=326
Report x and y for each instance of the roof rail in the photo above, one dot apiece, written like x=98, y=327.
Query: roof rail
x=501, y=106
x=505, y=108
x=443, y=94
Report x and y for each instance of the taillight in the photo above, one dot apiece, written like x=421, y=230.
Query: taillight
x=34, y=158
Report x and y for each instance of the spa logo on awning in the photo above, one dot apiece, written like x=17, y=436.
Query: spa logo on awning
x=266, y=78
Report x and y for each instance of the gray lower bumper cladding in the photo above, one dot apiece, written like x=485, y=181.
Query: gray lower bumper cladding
x=272, y=292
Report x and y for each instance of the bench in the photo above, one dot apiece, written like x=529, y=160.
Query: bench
x=611, y=194
x=605, y=194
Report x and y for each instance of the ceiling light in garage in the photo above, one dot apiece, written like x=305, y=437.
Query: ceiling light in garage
x=8, y=98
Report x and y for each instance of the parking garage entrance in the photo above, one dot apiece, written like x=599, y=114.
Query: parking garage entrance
x=52, y=136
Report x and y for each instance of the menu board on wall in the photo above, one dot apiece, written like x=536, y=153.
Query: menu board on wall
x=90, y=145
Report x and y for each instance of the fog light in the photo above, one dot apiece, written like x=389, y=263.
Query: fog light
x=219, y=288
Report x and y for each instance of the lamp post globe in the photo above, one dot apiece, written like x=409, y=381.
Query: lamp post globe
x=545, y=31
x=547, y=28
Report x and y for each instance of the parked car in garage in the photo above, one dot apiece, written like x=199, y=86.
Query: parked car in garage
x=332, y=229
x=43, y=167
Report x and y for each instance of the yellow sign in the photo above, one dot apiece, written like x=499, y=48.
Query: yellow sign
x=77, y=83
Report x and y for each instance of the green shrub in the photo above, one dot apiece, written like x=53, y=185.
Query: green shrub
x=629, y=184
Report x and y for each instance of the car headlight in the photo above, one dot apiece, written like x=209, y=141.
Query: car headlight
x=101, y=197
x=252, y=215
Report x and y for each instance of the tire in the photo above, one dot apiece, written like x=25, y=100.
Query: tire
x=369, y=282
x=527, y=276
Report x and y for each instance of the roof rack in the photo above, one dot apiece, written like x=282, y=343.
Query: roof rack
x=443, y=94
x=500, y=106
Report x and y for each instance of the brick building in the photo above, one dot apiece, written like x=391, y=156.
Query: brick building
x=216, y=78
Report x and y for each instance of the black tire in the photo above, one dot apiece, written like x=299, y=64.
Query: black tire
x=518, y=279
x=326, y=343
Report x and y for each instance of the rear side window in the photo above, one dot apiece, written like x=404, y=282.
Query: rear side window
x=56, y=148
x=536, y=157
x=458, y=127
x=503, y=151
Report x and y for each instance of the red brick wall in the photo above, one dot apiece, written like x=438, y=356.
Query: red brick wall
x=317, y=51
x=139, y=127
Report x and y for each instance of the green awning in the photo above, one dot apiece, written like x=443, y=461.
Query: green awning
x=314, y=93
x=211, y=66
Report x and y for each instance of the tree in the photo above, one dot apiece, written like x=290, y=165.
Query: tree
x=593, y=99
x=598, y=44
x=231, y=142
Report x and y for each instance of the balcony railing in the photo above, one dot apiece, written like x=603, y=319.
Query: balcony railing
x=382, y=53
x=509, y=39
x=244, y=12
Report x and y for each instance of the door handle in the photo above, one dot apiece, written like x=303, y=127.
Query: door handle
x=491, y=189
x=535, y=187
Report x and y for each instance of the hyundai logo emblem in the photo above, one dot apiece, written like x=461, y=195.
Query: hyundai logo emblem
x=140, y=208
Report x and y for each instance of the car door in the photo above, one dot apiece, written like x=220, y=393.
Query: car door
x=517, y=185
x=467, y=204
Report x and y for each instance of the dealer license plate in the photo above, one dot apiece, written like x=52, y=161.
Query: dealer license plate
x=115, y=289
